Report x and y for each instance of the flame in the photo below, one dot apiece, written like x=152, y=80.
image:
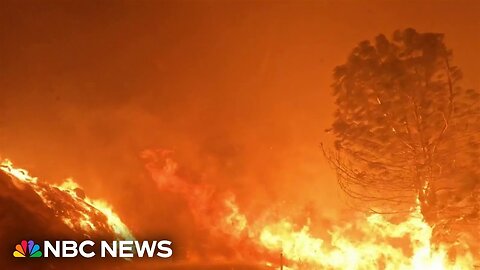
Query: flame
x=21, y=174
x=372, y=242
x=369, y=242
x=119, y=228
x=374, y=249
x=77, y=211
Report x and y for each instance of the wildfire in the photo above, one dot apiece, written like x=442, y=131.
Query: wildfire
x=374, y=249
x=68, y=201
x=372, y=242
x=21, y=174
x=119, y=228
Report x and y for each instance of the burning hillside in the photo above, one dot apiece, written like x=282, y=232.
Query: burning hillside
x=369, y=242
x=68, y=203
x=240, y=93
x=34, y=209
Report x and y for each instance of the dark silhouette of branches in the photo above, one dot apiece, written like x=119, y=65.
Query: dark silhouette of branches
x=405, y=132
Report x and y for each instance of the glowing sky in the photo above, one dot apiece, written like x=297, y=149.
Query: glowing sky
x=239, y=90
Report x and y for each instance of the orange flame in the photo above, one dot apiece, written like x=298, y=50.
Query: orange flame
x=374, y=250
x=373, y=242
x=81, y=217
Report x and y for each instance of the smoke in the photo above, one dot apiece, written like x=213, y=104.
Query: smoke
x=83, y=100
x=239, y=93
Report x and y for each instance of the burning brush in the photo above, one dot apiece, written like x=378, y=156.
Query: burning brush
x=68, y=202
x=32, y=209
x=373, y=242
x=368, y=242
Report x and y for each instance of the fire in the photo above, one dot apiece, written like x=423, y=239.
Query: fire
x=21, y=174
x=373, y=250
x=371, y=242
x=80, y=213
x=119, y=228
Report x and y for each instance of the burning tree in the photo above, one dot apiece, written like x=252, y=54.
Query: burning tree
x=405, y=132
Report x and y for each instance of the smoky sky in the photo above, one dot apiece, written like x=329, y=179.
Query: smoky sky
x=239, y=91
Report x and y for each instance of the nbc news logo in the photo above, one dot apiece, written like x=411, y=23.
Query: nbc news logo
x=27, y=249
x=88, y=249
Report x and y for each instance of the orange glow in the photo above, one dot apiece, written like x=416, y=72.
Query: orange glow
x=373, y=251
x=372, y=242
x=21, y=174
x=85, y=218
x=242, y=95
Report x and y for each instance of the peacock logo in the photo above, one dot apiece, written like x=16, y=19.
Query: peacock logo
x=27, y=249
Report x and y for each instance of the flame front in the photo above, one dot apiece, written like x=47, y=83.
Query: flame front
x=80, y=213
x=374, y=249
x=371, y=242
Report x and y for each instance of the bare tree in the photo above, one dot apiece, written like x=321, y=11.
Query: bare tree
x=405, y=132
